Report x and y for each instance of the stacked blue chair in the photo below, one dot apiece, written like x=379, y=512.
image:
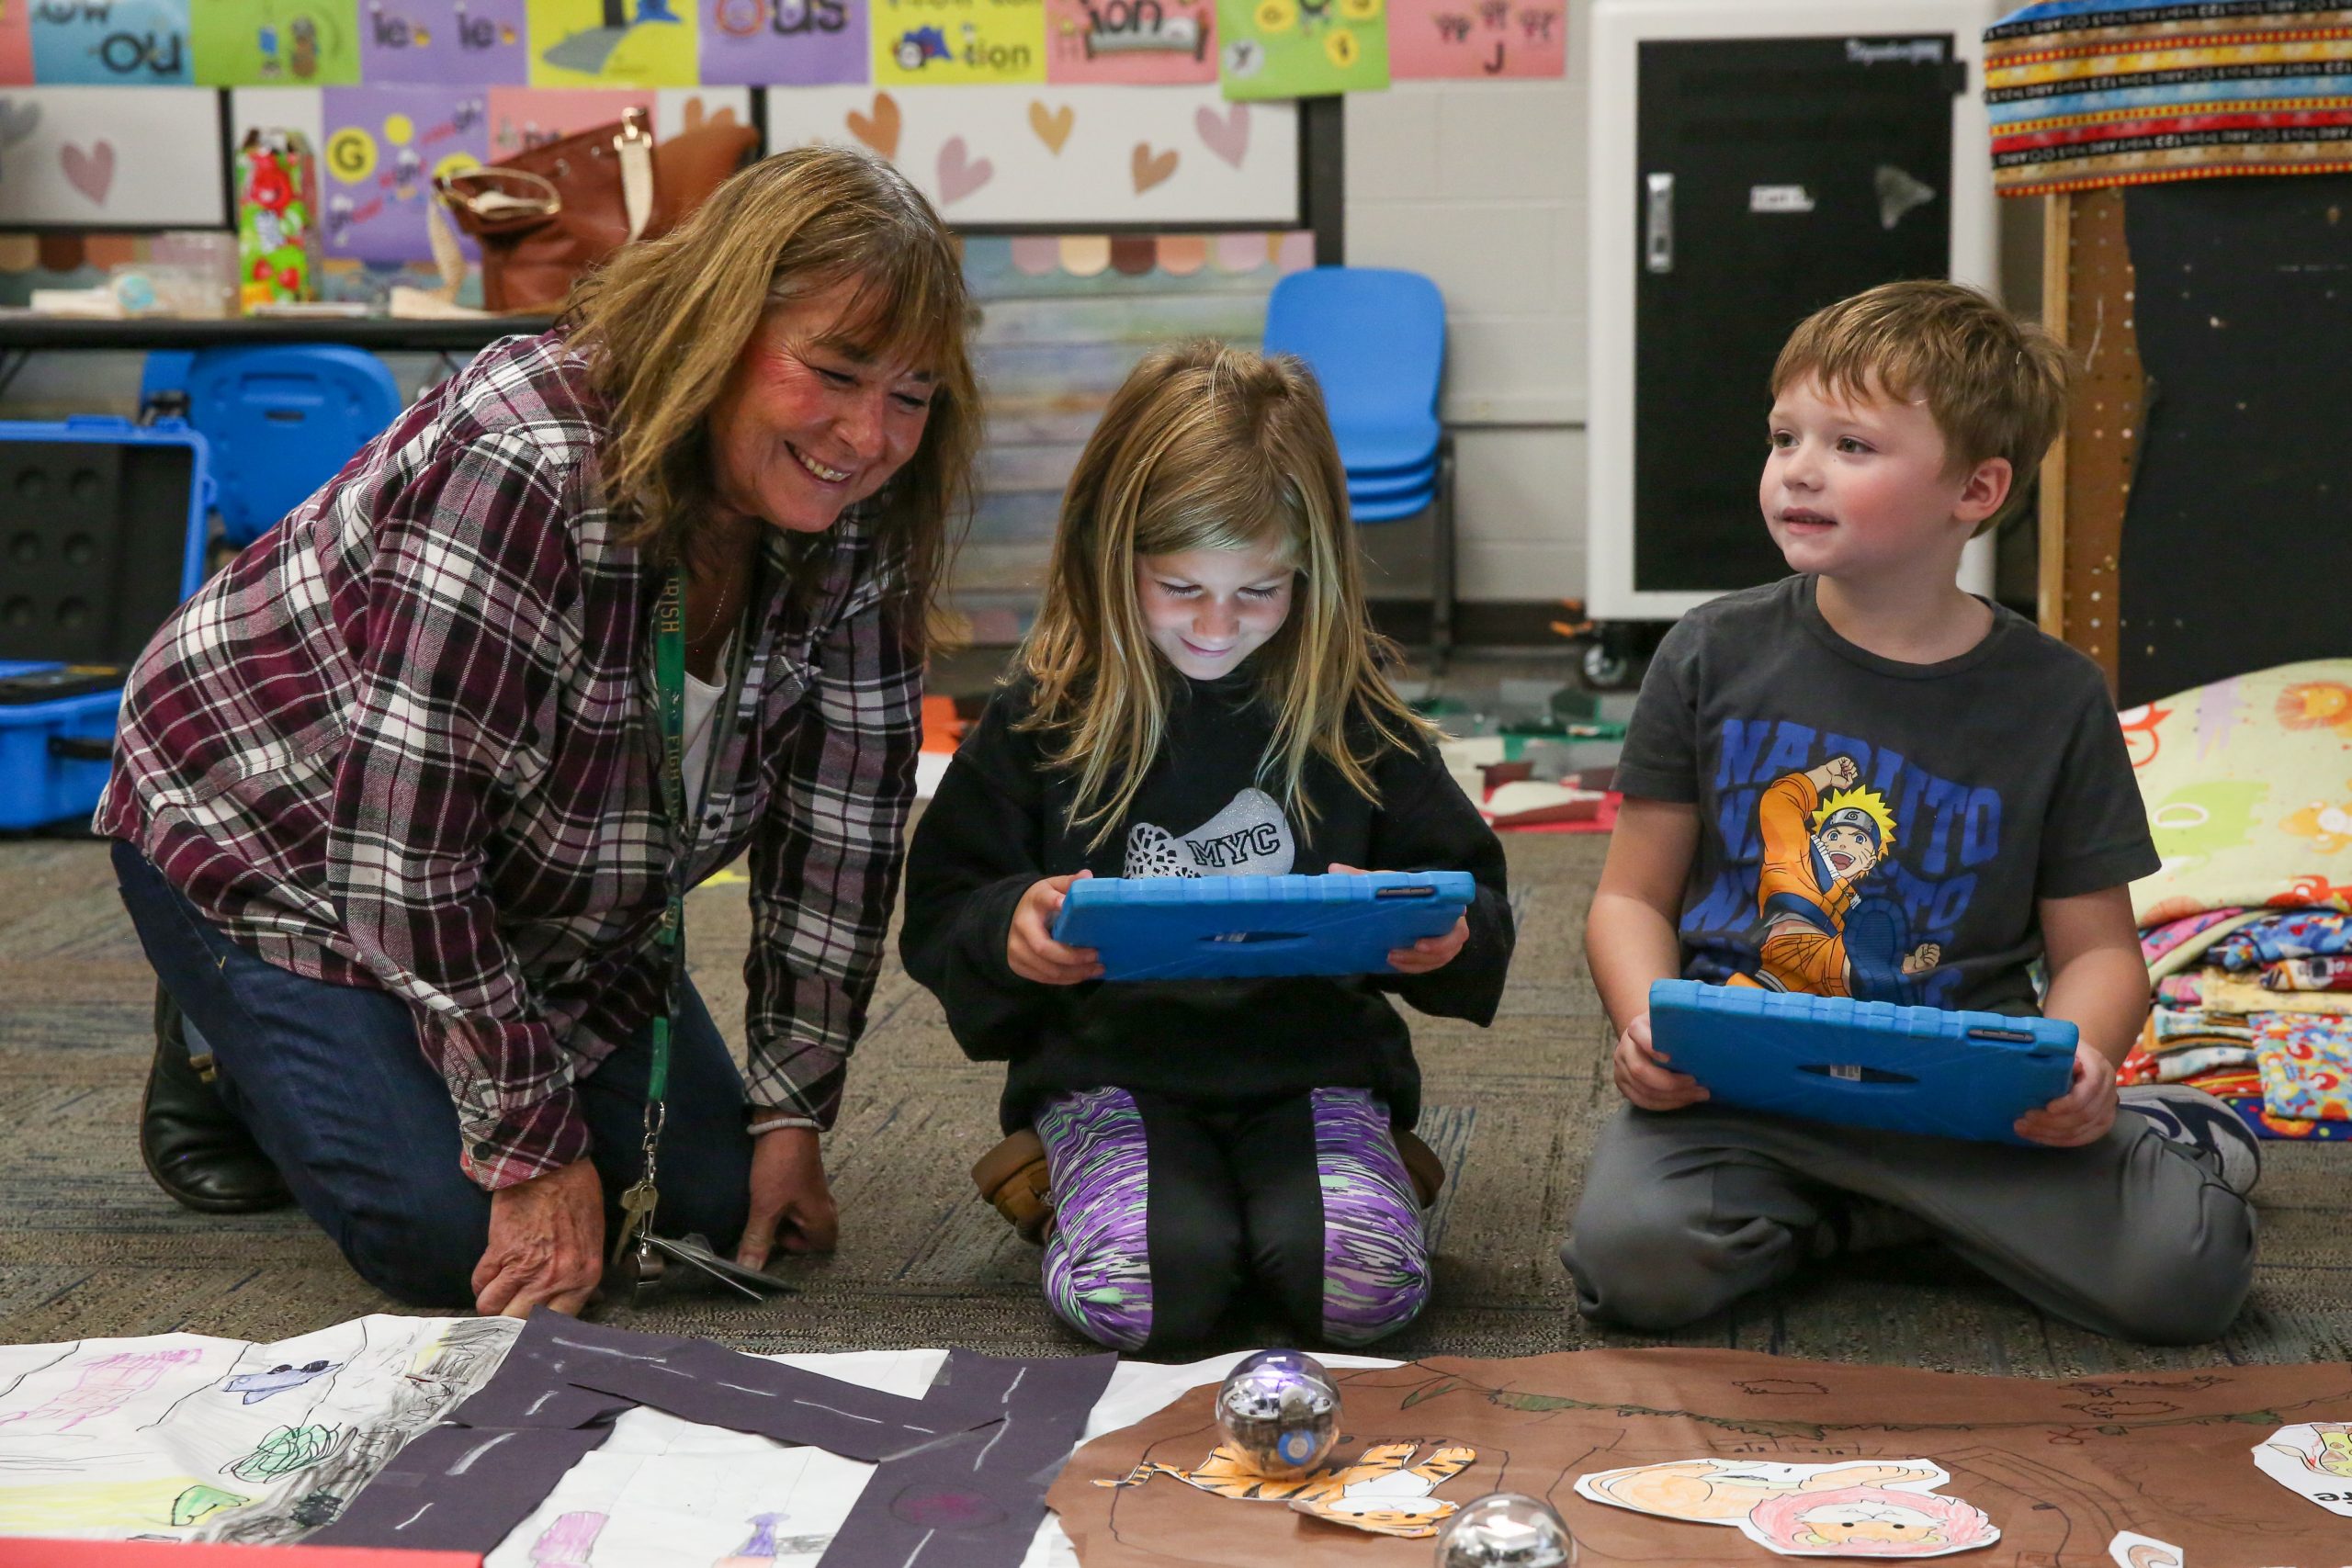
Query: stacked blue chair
x=1375, y=339
x=282, y=419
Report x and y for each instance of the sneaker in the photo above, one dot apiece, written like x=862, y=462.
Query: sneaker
x=2203, y=1126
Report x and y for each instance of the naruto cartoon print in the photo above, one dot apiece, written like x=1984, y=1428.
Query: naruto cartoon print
x=1822, y=926
x=1846, y=870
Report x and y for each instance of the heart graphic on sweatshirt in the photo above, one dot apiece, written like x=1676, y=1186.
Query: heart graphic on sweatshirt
x=1250, y=838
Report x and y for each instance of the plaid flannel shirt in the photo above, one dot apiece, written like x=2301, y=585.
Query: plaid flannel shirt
x=406, y=741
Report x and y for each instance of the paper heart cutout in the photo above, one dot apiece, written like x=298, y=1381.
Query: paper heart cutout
x=17, y=122
x=960, y=173
x=1151, y=169
x=1228, y=137
x=90, y=173
x=880, y=132
x=697, y=116
x=1052, y=126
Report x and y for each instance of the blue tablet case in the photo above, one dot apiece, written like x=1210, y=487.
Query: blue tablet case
x=1201, y=928
x=1952, y=1075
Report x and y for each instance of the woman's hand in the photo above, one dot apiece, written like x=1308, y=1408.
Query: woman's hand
x=547, y=1243
x=792, y=1206
x=2081, y=1115
x=1030, y=947
x=1430, y=951
x=1643, y=1076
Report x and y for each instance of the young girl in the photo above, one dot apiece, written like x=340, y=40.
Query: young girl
x=1200, y=697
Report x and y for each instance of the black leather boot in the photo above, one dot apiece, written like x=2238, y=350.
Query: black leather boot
x=194, y=1145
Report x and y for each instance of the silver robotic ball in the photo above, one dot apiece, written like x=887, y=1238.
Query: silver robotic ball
x=1505, y=1529
x=1280, y=1411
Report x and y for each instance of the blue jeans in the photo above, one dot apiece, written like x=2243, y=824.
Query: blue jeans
x=331, y=1083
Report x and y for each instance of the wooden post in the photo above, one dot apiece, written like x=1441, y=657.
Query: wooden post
x=2057, y=244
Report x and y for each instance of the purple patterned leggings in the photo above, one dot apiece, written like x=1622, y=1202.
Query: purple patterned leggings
x=1166, y=1208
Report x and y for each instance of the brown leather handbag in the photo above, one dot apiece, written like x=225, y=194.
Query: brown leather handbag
x=551, y=212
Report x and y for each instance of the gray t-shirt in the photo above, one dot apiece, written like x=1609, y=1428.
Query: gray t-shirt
x=1874, y=829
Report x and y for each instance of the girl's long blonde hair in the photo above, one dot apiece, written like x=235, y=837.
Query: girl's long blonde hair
x=664, y=322
x=1208, y=448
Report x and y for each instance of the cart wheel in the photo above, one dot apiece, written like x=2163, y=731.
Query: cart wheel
x=1605, y=668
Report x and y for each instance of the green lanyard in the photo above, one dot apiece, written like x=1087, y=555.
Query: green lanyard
x=669, y=708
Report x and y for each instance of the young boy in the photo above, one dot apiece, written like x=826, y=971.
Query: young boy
x=1861, y=780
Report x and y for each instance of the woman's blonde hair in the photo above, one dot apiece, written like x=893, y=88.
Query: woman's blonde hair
x=1207, y=447
x=665, y=322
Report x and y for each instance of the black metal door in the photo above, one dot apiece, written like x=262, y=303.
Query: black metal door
x=1776, y=176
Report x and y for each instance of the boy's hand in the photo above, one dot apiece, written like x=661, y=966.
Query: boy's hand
x=1643, y=1076
x=2084, y=1113
x=1839, y=773
x=1030, y=947
x=1430, y=951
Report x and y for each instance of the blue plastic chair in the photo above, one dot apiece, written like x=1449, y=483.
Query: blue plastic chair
x=1375, y=339
x=281, y=418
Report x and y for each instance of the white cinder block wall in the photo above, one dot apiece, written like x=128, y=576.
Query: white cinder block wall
x=1481, y=185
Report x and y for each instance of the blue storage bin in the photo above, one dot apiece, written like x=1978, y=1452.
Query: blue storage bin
x=102, y=528
x=282, y=420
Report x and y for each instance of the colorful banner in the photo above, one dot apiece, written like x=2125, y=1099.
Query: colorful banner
x=1134, y=41
x=277, y=43
x=784, y=43
x=613, y=43
x=1474, y=38
x=110, y=43
x=527, y=116
x=384, y=148
x=480, y=41
x=948, y=43
x=1298, y=49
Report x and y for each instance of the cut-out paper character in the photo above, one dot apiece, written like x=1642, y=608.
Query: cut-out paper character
x=1381, y=1487
x=1867, y=1521
x=2313, y=1459
x=258, y=1386
x=1724, y=1491
x=2130, y=1549
x=1389, y=1496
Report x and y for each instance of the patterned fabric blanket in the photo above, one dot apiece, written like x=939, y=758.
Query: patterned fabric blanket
x=2089, y=93
x=2247, y=927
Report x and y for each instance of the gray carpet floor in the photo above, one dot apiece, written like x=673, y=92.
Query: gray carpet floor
x=89, y=1247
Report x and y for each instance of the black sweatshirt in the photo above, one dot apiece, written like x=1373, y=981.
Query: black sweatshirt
x=1001, y=822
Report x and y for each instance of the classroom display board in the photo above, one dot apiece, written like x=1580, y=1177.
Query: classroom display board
x=1066, y=156
x=2243, y=473
x=1258, y=48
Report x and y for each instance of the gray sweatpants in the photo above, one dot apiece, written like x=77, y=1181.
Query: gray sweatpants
x=1685, y=1210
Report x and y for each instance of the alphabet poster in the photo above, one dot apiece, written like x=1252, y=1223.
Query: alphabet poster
x=1151, y=41
x=102, y=158
x=1297, y=49
x=277, y=43
x=384, y=148
x=1475, y=38
x=613, y=43
x=787, y=43
x=1066, y=155
x=443, y=40
x=926, y=43
x=16, y=44
x=114, y=44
